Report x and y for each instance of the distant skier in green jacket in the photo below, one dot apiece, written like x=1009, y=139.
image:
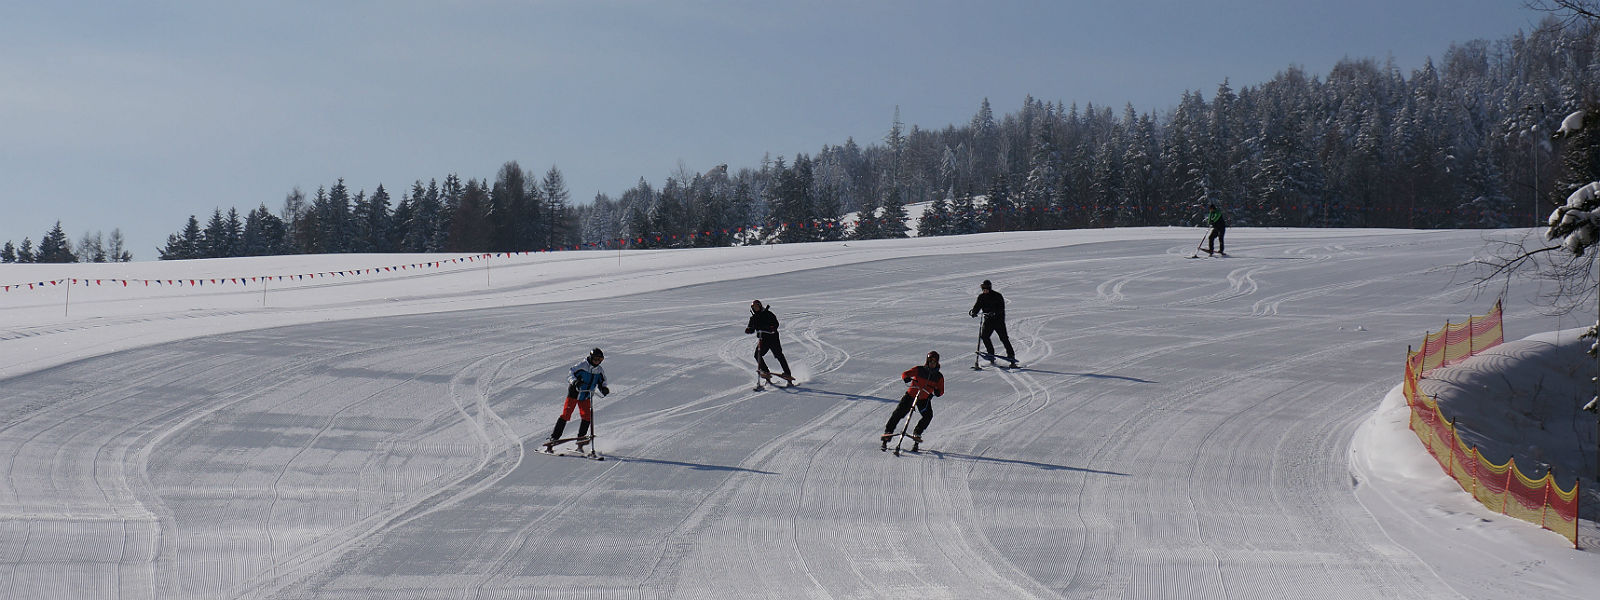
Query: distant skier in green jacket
x=1219, y=227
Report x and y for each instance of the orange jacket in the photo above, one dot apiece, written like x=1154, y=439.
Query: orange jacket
x=925, y=382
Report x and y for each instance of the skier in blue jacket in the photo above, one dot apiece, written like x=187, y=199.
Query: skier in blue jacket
x=584, y=380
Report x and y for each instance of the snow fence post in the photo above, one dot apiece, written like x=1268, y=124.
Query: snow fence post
x=1511, y=465
x=1454, y=441
x=1544, y=511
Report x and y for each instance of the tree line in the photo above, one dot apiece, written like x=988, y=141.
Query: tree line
x=1467, y=142
x=517, y=211
x=55, y=247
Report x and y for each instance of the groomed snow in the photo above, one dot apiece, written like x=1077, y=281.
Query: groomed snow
x=1210, y=428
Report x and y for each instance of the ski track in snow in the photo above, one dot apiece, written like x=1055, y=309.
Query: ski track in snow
x=1178, y=430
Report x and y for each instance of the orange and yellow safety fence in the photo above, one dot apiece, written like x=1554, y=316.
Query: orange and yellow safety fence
x=1501, y=487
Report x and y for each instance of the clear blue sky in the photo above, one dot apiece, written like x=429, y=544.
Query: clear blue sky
x=136, y=115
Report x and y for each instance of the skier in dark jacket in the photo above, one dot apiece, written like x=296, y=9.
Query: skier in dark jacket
x=765, y=325
x=925, y=383
x=993, y=307
x=584, y=380
x=1219, y=228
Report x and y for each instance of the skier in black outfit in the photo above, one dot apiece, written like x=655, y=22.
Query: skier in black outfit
x=993, y=307
x=765, y=325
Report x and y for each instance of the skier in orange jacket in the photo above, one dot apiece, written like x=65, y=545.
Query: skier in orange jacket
x=925, y=382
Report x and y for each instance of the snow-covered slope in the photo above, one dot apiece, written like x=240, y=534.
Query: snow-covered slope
x=1183, y=429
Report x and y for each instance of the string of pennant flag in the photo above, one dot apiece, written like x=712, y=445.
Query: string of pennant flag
x=608, y=244
x=199, y=282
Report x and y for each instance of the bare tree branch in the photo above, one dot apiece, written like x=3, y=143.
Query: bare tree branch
x=1569, y=11
x=1571, y=275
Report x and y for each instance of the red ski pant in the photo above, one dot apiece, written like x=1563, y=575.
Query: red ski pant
x=585, y=409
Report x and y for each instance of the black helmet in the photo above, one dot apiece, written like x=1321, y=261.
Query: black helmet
x=596, y=353
x=933, y=354
x=985, y=284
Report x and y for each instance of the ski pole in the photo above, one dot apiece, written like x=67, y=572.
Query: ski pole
x=1203, y=239
x=916, y=393
x=593, y=434
x=594, y=431
x=981, y=323
x=906, y=426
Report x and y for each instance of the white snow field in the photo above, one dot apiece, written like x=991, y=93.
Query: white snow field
x=1185, y=429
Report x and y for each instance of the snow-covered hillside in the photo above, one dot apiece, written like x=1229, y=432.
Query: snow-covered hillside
x=1209, y=428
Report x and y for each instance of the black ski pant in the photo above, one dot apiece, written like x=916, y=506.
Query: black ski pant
x=924, y=406
x=992, y=325
x=561, y=425
x=769, y=343
x=1215, y=243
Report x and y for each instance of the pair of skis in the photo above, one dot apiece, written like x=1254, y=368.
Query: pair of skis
x=916, y=441
x=1013, y=364
x=583, y=440
x=1202, y=248
x=990, y=356
x=766, y=376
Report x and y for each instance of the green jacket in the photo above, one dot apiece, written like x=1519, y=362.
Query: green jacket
x=1214, y=218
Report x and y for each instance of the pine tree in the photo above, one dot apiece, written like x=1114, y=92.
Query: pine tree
x=999, y=208
x=214, y=242
x=936, y=219
x=333, y=218
x=449, y=199
x=400, y=224
x=25, y=253
x=894, y=217
x=470, y=230
x=561, y=224
x=54, y=247
x=186, y=244
x=8, y=253
x=424, y=231
x=514, y=211
x=1041, y=191
x=743, y=211
x=264, y=234
x=965, y=218
x=985, y=144
x=869, y=226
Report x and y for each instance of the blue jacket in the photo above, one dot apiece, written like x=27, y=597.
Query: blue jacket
x=585, y=379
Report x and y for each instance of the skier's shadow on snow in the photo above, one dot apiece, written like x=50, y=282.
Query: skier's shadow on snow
x=809, y=390
x=1089, y=375
x=695, y=466
x=1026, y=463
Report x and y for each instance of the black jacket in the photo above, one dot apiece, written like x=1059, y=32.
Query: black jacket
x=763, y=322
x=990, y=302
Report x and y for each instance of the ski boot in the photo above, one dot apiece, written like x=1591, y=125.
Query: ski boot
x=886, y=437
